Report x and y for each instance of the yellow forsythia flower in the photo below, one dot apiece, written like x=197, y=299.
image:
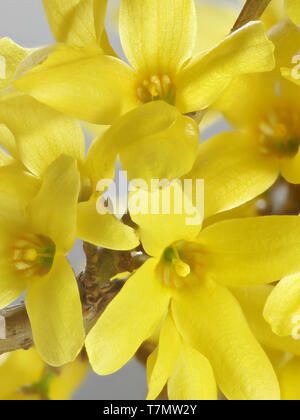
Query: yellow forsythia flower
x=38, y=229
x=24, y=376
x=158, y=38
x=190, y=271
x=267, y=138
x=154, y=133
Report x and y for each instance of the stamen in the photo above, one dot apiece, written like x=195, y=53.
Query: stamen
x=280, y=133
x=172, y=270
x=33, y=255
x=157, y=88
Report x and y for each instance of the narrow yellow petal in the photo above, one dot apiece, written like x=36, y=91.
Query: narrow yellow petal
x=167, y=354
x=5, y=158
x=233, y=170
x=252, y=251
x=135, y=130
x=53, y=211
x=11, y=55
x=41, y=134
x=274, y=13
x=260, y=91
x=282, y=309
x=17, y=184
x=211, y=320
x=72, y=375
x=76, y=22
x=157, y=36
x=22, y=367
x=83, y=83
x=7, y=139
x=158, y=154
x=291, y=170
x=11, y=285
x=285, y=37
x=192, y=378
x=215, y=21
x=293, y=10
x=54, y=308
x=289, y=379
x=252, y=301
x=162, y=217
x=104, y=230
x=128, y=320
x=200, y=83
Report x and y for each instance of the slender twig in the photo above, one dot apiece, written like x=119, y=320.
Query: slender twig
x=252, y=10
x=16, y=331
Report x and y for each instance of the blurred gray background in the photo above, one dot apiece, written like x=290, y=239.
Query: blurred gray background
x=24, y=21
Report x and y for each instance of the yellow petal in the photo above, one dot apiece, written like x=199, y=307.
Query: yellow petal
x=158, y=154
x=18, y=184
x=289, y=379
x=11, y=55
x=5, y=158
x=34, y=57
x=64, y=384
x=211, y=320
x=282, y=309
x=192, y=378
x=73, y=21
x=128, y=320
x=54, y=308
x=252, y=251
x=53, y=211
x=274, y=13
x=104, y=229
x=286, y=37
x=253, y=300
x=260, y=91
x=41, y=134
x=21, y=368
x=206, y=77
x=167, y=353
x=11, y=285
x=293, y=10
x=157, y=36
x=7, y=139
x=160, y=225
x=83, y=83
x=143, y=131
x=233, y=170
x=291, y=170
x=105, y=44
x=215, y=22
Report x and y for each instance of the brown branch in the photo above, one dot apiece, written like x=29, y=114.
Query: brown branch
x=102, y=265
x=252, y=10
x=17, y=324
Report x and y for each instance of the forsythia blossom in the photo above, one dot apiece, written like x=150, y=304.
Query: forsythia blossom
x=158, y=39
x=216, y=295
x=35, y=237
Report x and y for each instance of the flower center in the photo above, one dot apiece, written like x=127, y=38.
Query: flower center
x=157, y=88
x=33, y=255
x=180, y=263
x=280, y=133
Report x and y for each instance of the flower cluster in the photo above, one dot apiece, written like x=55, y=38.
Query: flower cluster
x=216, y=292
